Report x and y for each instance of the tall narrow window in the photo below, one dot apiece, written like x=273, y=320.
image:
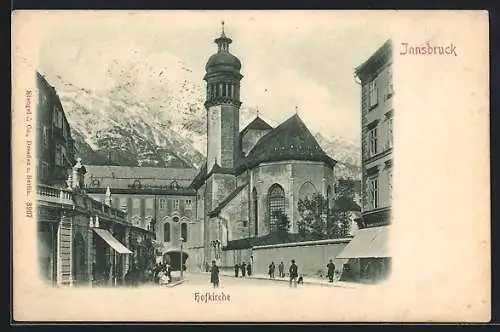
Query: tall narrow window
x=373, y=193
x=255, y=211
x=176, y=204
x=372, y=142
x=390, y=87
x=162, y=204
x=389, y=184
x=373, y=93
x=166, y=232
x=328, y=196
x=45, y=134
x=184, y=232
x=276, y=203
x=389, y=133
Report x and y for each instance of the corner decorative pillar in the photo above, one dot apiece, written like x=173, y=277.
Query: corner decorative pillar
x=65, y=250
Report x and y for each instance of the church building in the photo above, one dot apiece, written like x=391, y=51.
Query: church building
x=251, y=174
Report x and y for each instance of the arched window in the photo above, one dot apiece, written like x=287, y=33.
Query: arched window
x=166, y=232
x=184, y=232
x=307, y=190
x=276, y=202
x=255, y=211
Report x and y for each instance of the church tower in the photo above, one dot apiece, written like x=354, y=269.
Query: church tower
x=223, y=105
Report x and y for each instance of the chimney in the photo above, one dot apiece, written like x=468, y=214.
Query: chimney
x=79, y=175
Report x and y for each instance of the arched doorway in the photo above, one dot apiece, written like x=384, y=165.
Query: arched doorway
x=79, y=268
x=255, y=211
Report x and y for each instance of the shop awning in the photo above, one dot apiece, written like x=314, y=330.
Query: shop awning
x=367, y=243
x=112, y=241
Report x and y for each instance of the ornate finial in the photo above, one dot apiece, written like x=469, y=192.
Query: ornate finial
x=222, y=23
x=296, y=109
x=257, y=112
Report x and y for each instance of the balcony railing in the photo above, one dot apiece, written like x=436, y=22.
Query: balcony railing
x=54, y=195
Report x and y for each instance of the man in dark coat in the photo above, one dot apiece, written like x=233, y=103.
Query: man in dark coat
x=243, y=269
x=236, y=270
x=249, y=269
x=294, y=273
x=331, y=271
x=281, y=269
x=214, y=275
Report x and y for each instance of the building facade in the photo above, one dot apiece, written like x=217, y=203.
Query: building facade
x=368, y=250
x=153, y=198
x=55, y=154
x=81, y=241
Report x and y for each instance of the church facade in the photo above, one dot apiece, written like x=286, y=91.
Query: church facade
x=251, y=175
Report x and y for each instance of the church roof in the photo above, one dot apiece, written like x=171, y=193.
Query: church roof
x=226, y=200
x=256, y=124
x=291, y=140
x=124, y=176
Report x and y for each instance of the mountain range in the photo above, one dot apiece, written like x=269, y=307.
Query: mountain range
x=151, y=117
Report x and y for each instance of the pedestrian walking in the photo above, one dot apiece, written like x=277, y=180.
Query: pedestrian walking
x=331, y=270
x=281, y=270
x=249, y=269
x=214, y=275
x=236, y=270
x=294, y=273
x=243, y=269
x=272, y=268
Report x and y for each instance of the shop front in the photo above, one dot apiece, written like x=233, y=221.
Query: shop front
x=108, y=267
x=368, y=256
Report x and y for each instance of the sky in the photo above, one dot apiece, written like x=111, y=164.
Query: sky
x=291, y=61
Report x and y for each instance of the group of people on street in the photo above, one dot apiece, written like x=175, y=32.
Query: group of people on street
x=293, y=271
x=245, y=269
x=162, y=273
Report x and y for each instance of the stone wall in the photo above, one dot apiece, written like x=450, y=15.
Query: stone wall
x=310, y=256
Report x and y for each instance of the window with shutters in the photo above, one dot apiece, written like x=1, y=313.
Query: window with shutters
x=162, y=204
x=176, y=204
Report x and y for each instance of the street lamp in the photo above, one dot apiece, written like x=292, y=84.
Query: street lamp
x=182, y=265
